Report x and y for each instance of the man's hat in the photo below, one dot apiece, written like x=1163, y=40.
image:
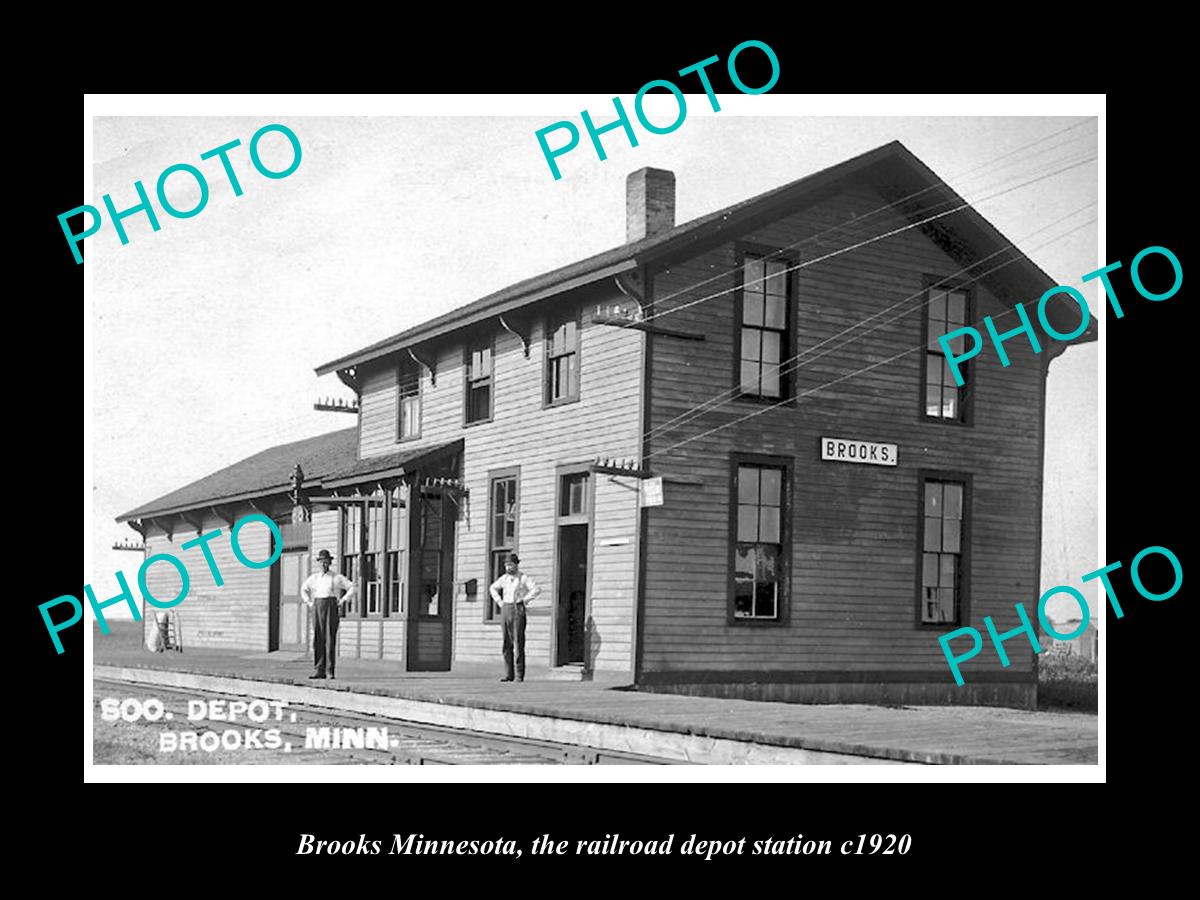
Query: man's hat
x=514, y=559
x=324, y=554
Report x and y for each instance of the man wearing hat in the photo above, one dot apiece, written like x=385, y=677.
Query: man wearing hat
x=512, y=591
x=320, y=593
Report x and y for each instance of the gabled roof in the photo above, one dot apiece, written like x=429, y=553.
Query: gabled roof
x=967, y=233
x=328, y=461
x=267, y=472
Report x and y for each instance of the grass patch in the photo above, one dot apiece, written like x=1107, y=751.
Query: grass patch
x=1067, y=681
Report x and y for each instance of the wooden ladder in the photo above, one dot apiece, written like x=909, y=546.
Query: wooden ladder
x=173, y=635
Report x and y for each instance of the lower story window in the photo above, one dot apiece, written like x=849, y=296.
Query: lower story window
x=760, y=542
x=429, y=602
x=351, y=549
x=942, y=551
x=374, y=541
x=502, y=533
x=397, y=544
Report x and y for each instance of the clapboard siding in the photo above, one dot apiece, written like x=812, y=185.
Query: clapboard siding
x=854, y=527
x=605, y=422
x=325, y=536
x=234, y=615
x=371, y=638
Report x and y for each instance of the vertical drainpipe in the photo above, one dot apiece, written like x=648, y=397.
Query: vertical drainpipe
x=642, y=513
x=1043, y=384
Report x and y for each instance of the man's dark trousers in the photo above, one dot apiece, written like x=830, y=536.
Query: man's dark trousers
x=325, y=627
x=512, y=617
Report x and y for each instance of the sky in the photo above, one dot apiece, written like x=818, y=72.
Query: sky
x=207, y=332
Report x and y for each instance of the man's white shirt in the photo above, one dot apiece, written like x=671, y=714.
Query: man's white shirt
x=514, y=589
x=325, y=584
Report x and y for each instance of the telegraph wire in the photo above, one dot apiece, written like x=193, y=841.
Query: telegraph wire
x=804, y=265
x=784, y=366
x=859, y=220
x=275, y=432
x=838, y=380
x=1001, y=191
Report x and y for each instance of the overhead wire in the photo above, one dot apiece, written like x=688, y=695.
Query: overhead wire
x=280, y=430
x=959, y=177
x=784, y=367
x=863, y=243
x=790, y=400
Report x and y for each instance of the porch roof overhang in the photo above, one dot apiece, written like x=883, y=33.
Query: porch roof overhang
x=263, y=476
x=392, y=465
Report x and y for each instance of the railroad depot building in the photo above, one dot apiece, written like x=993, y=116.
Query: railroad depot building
x=701, y=518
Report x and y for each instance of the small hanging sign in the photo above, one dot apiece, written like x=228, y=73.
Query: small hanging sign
x=652, y=491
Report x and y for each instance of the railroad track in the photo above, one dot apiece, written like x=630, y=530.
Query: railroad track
x=407, y=743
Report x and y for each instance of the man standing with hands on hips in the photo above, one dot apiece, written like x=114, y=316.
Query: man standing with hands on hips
x=512, y=591
x=320, y=593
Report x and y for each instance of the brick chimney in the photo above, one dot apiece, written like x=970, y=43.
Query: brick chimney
x=649, y=203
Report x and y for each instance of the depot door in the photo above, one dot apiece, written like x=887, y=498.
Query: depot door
x=294, y=626
x=431, y=607
x=574, y=520
x=571, y=611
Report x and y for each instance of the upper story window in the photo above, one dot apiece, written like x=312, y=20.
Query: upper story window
x=764, y=327
x=409, y=391
x=562, y=359
x=947, y=311
x=478, y=401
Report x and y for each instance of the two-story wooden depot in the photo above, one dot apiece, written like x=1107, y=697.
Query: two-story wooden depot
x=734, y=458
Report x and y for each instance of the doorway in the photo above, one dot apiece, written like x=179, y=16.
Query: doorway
x=430, y=610
x=572, y=552
x=292, y=624
x=289, y=619
x=572, y=593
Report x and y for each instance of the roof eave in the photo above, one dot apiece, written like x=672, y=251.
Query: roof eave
x=456, y=319
x=639, y=253
x=215, y=501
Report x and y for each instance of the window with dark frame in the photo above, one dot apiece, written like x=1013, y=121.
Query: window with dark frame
x=373, y=553
x=478, y=401
x=432, y=511
x=760, y=559
x=351, y=545
x=574, y=499
x=397, y=545
x=503, y=510
x=942, y=551
x=562, y=360
x=409, y=391
x=948, y=310
x=764, y=340
x=372, y=560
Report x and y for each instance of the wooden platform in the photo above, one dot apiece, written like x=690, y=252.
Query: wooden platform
x=693, y=729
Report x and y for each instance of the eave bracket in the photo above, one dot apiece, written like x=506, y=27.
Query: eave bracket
x=523, y=338
x=424, y=365
x=349, y=377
